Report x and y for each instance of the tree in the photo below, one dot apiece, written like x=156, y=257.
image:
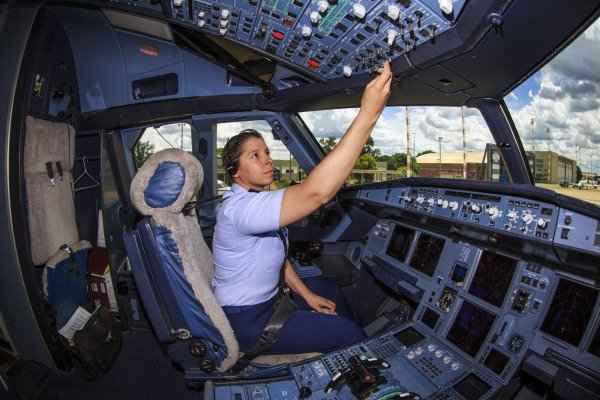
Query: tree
x=366, y=161
x=425, y=152
x=141, y=151
x=220, y=152
x=327, y=143
x=579, y=174
x=369, y=148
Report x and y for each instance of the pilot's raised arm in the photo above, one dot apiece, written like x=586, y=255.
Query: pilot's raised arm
x=250, y=241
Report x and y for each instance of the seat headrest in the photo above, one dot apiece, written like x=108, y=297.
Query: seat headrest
x=167, y=181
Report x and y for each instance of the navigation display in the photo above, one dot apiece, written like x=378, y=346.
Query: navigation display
x=496, y=361
x=427, y=254
x=470, y=328
x=570, y=311
x=400, y=243
x=493, y=277
x=472, y=387
x=430, y=318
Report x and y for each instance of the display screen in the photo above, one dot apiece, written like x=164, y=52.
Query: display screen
x=496, y=361
x=470, y=328
x=472, y=387
x=595, y=345
x=570, y=311
x=409, y=336
x=493, y=277
x=459, y=275
x=400, y=242
x=430, y=318
x=427, y=254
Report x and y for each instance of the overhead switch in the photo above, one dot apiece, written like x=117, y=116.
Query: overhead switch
x=347, y=70
x=391, y=36
x=323, y=6
x=223, y=31
x=359, y=11
x=178, y=3
x=446, y=6
x=393, y=12
x=224, y=13
x=315, y=17
x=306, y=31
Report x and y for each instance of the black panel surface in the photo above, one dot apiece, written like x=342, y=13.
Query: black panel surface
x=400, y=242
x=427, y=254
x=472, y=387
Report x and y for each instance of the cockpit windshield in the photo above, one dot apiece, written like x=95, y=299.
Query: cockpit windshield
x=443, y=142
x=557, y=114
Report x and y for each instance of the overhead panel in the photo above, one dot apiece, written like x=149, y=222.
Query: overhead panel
x=326, y=38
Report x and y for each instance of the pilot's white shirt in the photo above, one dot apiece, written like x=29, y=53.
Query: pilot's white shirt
x=248, y=253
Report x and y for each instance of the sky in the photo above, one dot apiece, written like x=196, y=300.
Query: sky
x=563, y=98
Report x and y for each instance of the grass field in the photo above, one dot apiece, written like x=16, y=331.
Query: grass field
x=592, y=196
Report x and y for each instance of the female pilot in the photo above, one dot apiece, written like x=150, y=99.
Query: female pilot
x=249, y=244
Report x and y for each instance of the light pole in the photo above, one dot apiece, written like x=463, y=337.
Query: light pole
x=440, y=156
x=532, y=138
x=408, y=157
x=464, y=143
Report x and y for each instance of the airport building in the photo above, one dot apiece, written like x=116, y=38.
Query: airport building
x=450, y=165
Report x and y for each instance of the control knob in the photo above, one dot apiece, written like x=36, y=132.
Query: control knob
x=493, y=212
x=223, y=31
x=323, y=5
x=455, y=366
x=542, y=223
x=224, y=23
x=393, y=12
x=306, y=31
x=420, y=199
x=359, y=11
x=527, y=218
x=315, y=17
x=431, y=202
x=476, y=208
x=224, y=13
x=512, y=215
x=445, y=204
x=446, y=6
x=440, y=202
x=178, y=3
x=447, y=359
x=453, y=205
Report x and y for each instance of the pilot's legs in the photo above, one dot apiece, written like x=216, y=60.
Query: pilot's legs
x=305, y=331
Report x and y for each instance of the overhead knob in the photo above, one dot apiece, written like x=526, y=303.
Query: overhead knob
x=393, y=12
x=431, y=201
x=315, y=17
x=306, y=31
x=223, y=23
x=527, y=218
x=420, y=199
x=223, y=31
x=391, y=36
x=542, y=223
x=201, y=23
x=445, y=204
x=453, y=205
x=440, y=202
x=359, y=11
x=493, y=212
x=201, y=14
x=323, y=5
x=178, y=3
x=347, y=71
x=224, y=13
x=476, y=208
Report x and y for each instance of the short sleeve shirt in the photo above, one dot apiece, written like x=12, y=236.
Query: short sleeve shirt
x=247, y=249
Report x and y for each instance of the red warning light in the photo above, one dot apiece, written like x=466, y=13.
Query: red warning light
x=149, y=50
x=277, y=35
x=313, y=64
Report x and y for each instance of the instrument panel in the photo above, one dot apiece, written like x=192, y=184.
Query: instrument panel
x=326, y=38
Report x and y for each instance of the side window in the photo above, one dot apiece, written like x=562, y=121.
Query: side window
x=154, y=139
x=286, y=169
x=437, y=142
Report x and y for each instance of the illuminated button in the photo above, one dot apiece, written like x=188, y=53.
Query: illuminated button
x=431, y=348
x=431, y=201
x=455, y=366
x=410, y=355
x=445, y=204
x=393, y=12
x=315, y=17
x=493, y=212
x=542, y=223
x=201, y=14
x=224, y=23
x=224, y=13
x=391, y=36
x=453, y=205
x=440, y=202
x=419, y=351
x=347, y=71
x=420, y=199
x=306, y=31
x=223, y=31
x=323, y=5
x=277, y=35
x=476, y=208
x=447, y=359
x=201, y=23
x=313, y=64
x=359, y=11
x=446, y=6
x=439, y=354
x=178, y=3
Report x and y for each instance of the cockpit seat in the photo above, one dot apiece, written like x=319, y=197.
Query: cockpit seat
x=173, y=268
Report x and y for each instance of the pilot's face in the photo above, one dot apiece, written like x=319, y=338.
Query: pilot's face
x=256, y=166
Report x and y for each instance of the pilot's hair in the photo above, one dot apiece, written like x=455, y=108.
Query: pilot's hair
x=233, y=151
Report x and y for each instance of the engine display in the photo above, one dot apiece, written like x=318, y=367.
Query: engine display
x=400, y=243
x=472, y=387
x=570, y=311
x=427, y=254
x=470, y=328
x=409, y=336
x=496, y=361
x=493, y=277
x=430, y=318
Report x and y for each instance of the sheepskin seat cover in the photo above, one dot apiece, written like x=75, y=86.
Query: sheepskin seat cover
x=166, y=182
x=50, y=204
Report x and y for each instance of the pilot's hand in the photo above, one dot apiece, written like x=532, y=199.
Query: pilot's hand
x=320, y=304
x=377, y=92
